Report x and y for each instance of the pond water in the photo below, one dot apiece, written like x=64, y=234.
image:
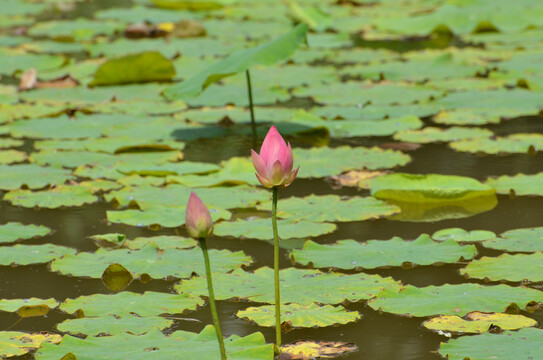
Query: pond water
x=379, y=336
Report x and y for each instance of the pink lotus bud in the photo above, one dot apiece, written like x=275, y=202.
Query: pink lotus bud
x=274, y=163
x=197, y=218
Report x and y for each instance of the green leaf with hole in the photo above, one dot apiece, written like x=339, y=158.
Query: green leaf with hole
x=154, y=345
x=15, y=231
x=302, y=286
x=520, y=184
x=300, y=316
x=453, y=299
x=150, y=260
x=332, y=208
x=32, y=254
x=433, y=134
x=519, y=267
x=427, y=188
x=518, y=240
x=261, y=229
x=31, y=176
x=524, y=344
x=350, y=254
x=461, y=235
x=113, y=325
x=142, y=67
x=150, y=303
x=60, y=196
x=478, y=322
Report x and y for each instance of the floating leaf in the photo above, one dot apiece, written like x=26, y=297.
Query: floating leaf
x=300, y=286
x=513, y=144
x=332, y=208
x=519, y=184
x=520, y=267
x=149, y=260
x=31, y=176
x=307, y=350
x=109, y=240
x=116, y=277
x=15, y=343
x=261, y=229
x=179, y=168
x=154, y=345
x=524, y=344
x=162, y=241
x=311, y=315
x=73, y=30
x=142, y=67
x=478, y=322
x=461, y=235
x=518, y=240
x=12, y=156
x=113, y=325
x=14, y=231
x=13, y=305
x=350, y=254
x=453, y=299
x=433, y=134
x=32, y=254
x=67, y=195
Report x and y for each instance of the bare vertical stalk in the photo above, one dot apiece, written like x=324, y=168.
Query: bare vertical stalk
x=276, y=269
x=251, y=107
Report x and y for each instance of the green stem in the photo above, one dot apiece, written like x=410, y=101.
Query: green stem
x=276, y=270
x=212, y=299
x=251, y=107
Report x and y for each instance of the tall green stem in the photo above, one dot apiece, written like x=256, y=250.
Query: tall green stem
x=276, y=270
x=212, y=299
x=251, y=107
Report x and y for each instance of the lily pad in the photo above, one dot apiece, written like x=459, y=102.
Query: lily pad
x=149, y=303
x=15, y=231
x=350, y=254
x=262, y=229
x=524, y=344
x=12, y=156
x=13, y=305
x=162, y=241
x=31, y=176
x=513, y=144
x=300, y=286
x=427, y=188
x=521, y=240
x=113, y=325
x=519, y=267
x=519, y=184
x=180, y=344
x=478, y=322
x=461, y=235
x=432, y=134
x=15, y=343
x=331, y=208
x=453, y=299
x=307, y=350
x=311, y=315
x=32, y=254
x=156, y=263
x=74, y=30
x=324, y=161
x=60, y=196
x=9, y=143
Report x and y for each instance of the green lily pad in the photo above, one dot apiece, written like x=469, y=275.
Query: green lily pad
x=519, y=267
x=300, y=286
x=12, y=305
x=12, y=156
x=266, y=54
x=9, y=143
x=150, y=260
x=15, y=231
x=453, y=299
x=60, y=196
x=74, y=30
x=519, y=184
x=149, y=303
x=331, y=208
x=427, y=188
x=513, y=144
x=113, y=325
x=14, y=60
x=311, y=315
x=461, y=235
x=109, y=240
x=521, y=240
x=179, y=168
x=140, y=14
x=180, y=344
x=432, y=134
x=32, y=254
x=142, y=67
x=350, y=254
x=262, y=229
x=31, y=176
x=478, y=322
x=15, y=343
x=162, y=241
x=524, y=344
x=324, y=161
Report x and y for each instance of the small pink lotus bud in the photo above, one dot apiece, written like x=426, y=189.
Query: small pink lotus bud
x=274, y=163
x=197, y=218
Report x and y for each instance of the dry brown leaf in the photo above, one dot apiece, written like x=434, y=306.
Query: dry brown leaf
x=28, y=80
x=302, y=350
